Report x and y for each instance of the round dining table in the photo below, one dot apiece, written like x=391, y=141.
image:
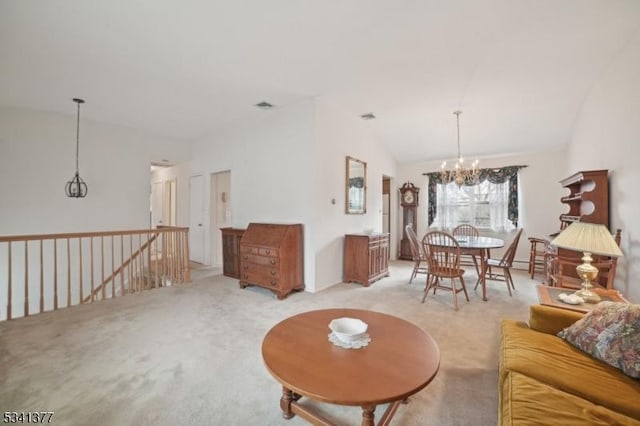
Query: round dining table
x=480, y=246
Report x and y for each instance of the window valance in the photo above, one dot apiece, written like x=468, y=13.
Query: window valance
x=497, y=175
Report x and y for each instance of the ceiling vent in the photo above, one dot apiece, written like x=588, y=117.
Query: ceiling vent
x=264, y=105
x=368, y=116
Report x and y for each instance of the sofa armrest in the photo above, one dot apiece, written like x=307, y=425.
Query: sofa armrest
x=550, y=320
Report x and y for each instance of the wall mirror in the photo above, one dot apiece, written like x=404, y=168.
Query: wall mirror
x=356, y=186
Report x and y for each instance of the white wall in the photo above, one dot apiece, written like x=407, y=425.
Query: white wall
x=540, y=193
x=37, y=158
x=340, y=134
x=287, y=164
x=270, y=157
x=607, y=136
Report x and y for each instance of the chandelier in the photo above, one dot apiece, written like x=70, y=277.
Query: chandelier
x=459, y=173
x=76, y=188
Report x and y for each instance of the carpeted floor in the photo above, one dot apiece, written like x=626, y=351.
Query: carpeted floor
x=190, y=355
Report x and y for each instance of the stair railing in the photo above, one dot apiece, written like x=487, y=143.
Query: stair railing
x=46, y=272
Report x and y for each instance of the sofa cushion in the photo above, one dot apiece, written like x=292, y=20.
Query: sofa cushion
x=609, y=332
x=527, y=401
x=550, y=320
x=554, y=362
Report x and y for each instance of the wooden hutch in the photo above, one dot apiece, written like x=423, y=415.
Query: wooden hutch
x=587, y=201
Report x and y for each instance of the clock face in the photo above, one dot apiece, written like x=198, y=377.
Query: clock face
x=408, y=197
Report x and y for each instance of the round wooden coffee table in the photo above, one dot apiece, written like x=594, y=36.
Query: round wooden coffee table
x=400, y=360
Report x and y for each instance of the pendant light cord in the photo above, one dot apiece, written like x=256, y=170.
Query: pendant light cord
x=78, y=138
x=78, y=101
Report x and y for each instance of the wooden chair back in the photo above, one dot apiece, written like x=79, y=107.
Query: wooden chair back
x=466, y=231
x=510, y=253
x=416, y=250
x=443, y=254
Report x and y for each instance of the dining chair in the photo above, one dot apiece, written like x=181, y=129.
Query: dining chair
x=417, y=253
x=539, y=248
x=466, y=230
x=443, y=257
x=505, y=264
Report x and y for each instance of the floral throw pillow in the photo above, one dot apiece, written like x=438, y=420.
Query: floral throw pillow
x=610, y=333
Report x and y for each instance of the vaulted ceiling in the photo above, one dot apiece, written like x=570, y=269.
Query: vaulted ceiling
x=518, y=69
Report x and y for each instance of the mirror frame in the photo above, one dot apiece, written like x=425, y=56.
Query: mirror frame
x=353, y=163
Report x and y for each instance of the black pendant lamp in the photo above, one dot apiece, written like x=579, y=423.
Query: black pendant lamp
x=76, y=188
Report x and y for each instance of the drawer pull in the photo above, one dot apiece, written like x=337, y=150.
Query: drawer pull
x=273, y=272
x=268, y=251
x=245, y=266
x=245, y=257
x=274, y=282
x=273, y=262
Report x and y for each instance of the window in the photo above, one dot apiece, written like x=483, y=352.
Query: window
x=490, y=204
x=484, y=205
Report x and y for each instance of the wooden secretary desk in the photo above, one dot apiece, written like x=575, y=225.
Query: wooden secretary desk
x=271, y=256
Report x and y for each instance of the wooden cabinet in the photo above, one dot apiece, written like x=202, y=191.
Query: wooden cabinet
x=588, y=201
x=588, y=198
x=272, y=257
x=231, y=251
x=366, y=257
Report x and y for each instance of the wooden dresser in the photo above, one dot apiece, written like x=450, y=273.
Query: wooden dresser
x=272, y=257
x=366, y=257
x=231, y=251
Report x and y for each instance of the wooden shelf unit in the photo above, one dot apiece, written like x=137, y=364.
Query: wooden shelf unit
x=366, y=258
x=588, y=198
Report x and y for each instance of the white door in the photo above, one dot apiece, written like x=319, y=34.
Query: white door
x=156, y=204
x=196, y=218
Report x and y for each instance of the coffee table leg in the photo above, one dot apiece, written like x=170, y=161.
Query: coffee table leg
x=285, y=403
x=368, y=415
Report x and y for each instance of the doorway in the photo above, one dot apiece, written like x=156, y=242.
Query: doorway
x=220, y=206
x=196, y=218
x=386, y=206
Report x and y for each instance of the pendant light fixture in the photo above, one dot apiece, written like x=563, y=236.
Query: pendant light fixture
x=459, y=173
x=76, y=188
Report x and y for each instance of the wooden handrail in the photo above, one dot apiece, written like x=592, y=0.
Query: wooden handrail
x=33, y=237
x=36, y=273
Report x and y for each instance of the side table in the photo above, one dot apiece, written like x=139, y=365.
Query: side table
x=549, y=296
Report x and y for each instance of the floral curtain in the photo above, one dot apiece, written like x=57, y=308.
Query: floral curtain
x=501, y=175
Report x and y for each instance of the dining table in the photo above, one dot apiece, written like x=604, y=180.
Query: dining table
x=480, y=246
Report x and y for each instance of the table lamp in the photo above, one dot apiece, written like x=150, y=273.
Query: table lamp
x=589, y=238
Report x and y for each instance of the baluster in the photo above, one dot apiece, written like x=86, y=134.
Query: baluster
x=80, y=261
x=41, y=280
x=102, y=265
x=113, y=270
x=140, y=256
x=130, y=263
x=68, y=272
x=121, y=265
x=9, y=274
x=55, y=274
x=92, y=274
x=26, y=278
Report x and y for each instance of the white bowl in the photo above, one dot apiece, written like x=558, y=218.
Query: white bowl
x=348, y=329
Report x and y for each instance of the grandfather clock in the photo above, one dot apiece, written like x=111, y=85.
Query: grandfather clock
x=409, y=203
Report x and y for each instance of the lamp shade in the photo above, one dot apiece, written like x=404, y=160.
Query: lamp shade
x=588, y=237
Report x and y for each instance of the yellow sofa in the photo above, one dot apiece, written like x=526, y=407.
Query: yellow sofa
x=544, y=380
